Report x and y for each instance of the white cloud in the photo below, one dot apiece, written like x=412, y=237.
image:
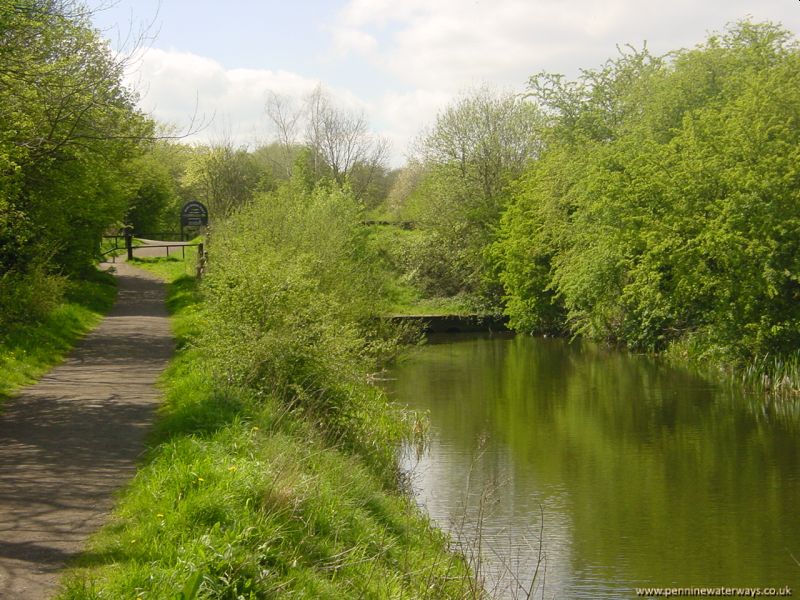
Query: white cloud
x=230, y=101
x=424, y=53
x=347, y=39
x=436, y=50
x=450, y=44
x=401, y=116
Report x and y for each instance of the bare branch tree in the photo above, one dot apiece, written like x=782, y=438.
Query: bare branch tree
x=339, y=141
x=285, y=118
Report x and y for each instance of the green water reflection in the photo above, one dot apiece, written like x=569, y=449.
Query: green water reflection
x=646, y=475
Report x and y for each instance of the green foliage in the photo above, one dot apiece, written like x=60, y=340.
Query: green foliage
x=225, y=178
x=371, y=183
x=67, y=131
x=28, y=349
x=293, y=291
x=665, y=206
x=478, y=146
x=428, y=259
x=158, y=195
x=411, y=285
x=242, y=495
x=29, y=298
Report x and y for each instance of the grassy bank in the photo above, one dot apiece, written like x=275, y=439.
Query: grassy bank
x=169, y=268
x=278, y=485
x=28, y=350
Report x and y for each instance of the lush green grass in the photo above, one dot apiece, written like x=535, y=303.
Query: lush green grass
x=111, y=247
x=171, y=267
x=27, y=351
x=242, y=496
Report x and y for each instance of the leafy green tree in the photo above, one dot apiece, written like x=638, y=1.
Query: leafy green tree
x=68, y=131
x=277, y=161
x=154, y=206
x=477, y=148
x=224, y=177
x=664, y=209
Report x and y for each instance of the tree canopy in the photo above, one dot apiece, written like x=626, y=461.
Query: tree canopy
x=665, y=208
x=68, y=128
x=464, y=167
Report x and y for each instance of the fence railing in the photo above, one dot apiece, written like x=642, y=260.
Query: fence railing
x=202, y=254
x=116, y=247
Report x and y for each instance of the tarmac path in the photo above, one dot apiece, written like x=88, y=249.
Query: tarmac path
x=70, y=441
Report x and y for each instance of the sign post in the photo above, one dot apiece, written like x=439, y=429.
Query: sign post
x=193, y=214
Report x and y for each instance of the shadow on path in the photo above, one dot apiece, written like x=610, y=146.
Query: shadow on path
x=71, y=440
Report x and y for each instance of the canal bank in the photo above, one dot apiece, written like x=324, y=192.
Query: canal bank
x=453, y=323
x=242, y=495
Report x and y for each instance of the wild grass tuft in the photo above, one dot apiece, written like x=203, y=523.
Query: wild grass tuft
x=773, y=374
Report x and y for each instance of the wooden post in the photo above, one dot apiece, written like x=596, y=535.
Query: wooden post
x=201, y=260
x=129, y=244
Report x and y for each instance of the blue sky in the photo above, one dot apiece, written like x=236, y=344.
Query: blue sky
x=399, y=61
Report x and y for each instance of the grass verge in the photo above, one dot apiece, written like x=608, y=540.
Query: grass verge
x=27, y=351
x=241, y=497
x=169, y=268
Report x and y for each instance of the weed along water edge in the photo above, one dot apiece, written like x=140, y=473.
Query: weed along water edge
x=635, y=474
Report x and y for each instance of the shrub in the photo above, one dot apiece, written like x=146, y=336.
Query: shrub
x=29, y=297
x=292, y=294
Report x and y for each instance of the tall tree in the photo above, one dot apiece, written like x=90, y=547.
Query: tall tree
x=339, y=144
x=478, y=146
x=223, y=177
x=68, y=128
x=665, y=209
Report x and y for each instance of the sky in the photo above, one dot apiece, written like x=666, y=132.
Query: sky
x=398, y=61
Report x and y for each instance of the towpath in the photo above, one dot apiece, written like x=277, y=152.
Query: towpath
x=70, y=441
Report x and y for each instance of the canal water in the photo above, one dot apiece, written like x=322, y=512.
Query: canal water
x=579, y=472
